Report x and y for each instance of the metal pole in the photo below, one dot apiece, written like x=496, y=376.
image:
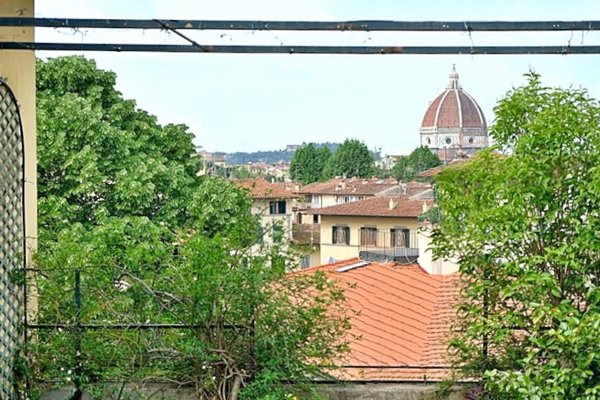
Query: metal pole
x=78, y=331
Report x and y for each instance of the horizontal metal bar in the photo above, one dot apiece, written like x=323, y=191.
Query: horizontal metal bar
x=125, y=326
x=394, y=366
x=358, y=50
x=366, y=25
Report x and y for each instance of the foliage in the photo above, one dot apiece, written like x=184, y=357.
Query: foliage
x=409, y=167
x=524, y=229
x=98, y=156
x=433, y=215
x=120, y=201
x=308, y=163
x=351, y=159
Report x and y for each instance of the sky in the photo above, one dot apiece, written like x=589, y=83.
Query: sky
x=265, y=102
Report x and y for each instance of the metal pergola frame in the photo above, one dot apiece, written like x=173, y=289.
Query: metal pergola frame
x=302, y=26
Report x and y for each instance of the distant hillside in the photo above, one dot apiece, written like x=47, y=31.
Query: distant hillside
x=270, y=156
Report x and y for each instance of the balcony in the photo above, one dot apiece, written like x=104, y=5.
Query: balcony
x=399, y=245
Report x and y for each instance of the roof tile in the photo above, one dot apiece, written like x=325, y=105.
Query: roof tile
x=385, y=206
x=402, y=321
x=351, y=186
x=261, y=189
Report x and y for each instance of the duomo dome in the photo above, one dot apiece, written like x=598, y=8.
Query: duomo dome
x=454, y=125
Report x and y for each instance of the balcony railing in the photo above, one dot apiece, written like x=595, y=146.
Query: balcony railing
x=400, y=245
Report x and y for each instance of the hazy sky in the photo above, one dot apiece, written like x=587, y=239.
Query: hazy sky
x=263, y=102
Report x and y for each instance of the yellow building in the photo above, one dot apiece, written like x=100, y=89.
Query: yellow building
x=272, y=202
x=376, y=228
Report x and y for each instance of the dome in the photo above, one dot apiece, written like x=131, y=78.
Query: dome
x=454, y=108
x=454, y=124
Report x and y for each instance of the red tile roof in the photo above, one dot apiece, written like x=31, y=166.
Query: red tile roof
x=262, y=189
x=351, y=186
x=414, y=187
x=454, y=108
x=436, y=170
x=385, y=206
x=401, y=325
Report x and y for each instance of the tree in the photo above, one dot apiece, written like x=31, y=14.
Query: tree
x=308, y=163
x=524, y=227
x=352, y=158
x=120, y=202
x=409, y=167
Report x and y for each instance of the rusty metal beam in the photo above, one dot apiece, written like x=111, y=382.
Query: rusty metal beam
x=265, y=49
x=366, y=25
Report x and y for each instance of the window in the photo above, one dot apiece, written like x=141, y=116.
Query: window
x=448, y=140
x=277, y=207
x=368, y=236
x=305, y=262
x=400, y=237
x=315, y=201
x=315, y=219
x=347, y=199
x=340, y=235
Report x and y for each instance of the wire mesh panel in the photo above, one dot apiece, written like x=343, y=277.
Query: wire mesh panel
x=12, y=246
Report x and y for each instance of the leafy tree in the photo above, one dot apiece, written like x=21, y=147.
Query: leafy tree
x=308, y=163
x=524, y=227
x=120, y=201
x=409, y=167
x=352, y=158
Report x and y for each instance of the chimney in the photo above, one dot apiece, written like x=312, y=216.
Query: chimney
x=393, y=204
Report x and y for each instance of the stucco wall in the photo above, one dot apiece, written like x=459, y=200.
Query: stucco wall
x=389, y=391
x=260, y=207
x=342, y=252
x=17, y=68
x=370, y=391
x=426, y=260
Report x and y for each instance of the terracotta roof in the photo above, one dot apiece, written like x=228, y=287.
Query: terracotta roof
x=402, y=319
x=262, y=189
x=351, y=186
x=385, y=206
x=436, y=170
x=454, y=108
x=413, y=187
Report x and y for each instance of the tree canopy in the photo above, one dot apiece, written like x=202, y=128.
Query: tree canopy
x=420, y=159
x=308, y=163
x=352, y=158
x=524, y=227
x=120, y=202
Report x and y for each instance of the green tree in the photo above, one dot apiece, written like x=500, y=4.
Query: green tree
x=352, y=158
x=524, y=227
x=409, y=167
x=120, y=201
x=308, y=163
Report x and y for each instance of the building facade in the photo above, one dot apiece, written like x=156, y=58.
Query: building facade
x=454, y=126
x=272, y=202
x=376, y=228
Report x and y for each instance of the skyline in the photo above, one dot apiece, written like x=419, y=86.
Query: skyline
x=265, y=102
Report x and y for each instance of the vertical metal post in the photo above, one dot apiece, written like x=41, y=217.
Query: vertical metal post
x=78, y=367
x=485, y=317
